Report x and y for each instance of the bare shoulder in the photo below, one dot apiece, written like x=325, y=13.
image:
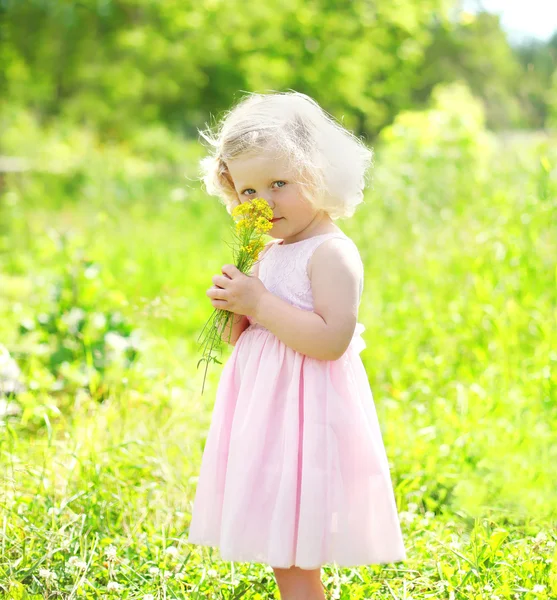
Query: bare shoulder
x=336, y=277
x=255, y=269
x=337, y=254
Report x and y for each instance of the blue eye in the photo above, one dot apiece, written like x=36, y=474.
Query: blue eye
x=253, y=191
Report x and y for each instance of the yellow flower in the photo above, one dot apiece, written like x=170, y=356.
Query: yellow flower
x=241, y=225
x=240, y=210
x=263, y=225
x=259, y=246
x=253, y=218
x=253, y=210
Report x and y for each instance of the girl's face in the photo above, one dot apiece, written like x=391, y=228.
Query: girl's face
x=267, y=175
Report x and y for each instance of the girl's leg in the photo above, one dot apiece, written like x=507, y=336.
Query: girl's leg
x=300, y=584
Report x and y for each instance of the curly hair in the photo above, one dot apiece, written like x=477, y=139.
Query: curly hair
x=330, y=162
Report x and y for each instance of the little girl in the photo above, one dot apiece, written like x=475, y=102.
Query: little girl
x=294, y=472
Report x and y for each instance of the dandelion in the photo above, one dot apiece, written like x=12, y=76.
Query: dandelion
x=253, y=219
x=110, y=552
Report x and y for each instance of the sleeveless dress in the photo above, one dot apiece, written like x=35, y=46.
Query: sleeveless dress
x=294, y=470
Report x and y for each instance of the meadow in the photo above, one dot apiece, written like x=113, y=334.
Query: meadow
x=105, y=255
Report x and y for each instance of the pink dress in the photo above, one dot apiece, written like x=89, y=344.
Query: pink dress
x=294, y=470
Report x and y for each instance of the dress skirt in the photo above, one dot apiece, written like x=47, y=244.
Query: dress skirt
x=294, y=470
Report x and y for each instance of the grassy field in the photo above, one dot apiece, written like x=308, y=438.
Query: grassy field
x=105, y=256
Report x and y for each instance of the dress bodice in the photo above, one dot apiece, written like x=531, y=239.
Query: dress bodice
x=283, y=269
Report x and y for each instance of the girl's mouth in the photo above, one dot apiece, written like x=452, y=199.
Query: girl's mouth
x=275, y=220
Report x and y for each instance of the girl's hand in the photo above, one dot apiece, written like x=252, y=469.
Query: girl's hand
x=237, y=292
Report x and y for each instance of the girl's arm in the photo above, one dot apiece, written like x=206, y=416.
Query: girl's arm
x=326, y=332
x=239, y=323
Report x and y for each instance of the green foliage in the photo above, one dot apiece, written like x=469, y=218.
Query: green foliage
x=116, y=64
x=441, y=153
x=476, y=51
x=552, y=101
x=120, y=65
x=539, y=62
x=77, y=342
x=459, y=303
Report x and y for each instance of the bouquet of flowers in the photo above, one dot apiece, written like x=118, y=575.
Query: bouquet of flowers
x=253, y=219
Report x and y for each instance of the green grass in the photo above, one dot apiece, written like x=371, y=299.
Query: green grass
x=460, y=312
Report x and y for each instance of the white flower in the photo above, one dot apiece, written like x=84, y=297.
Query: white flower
x=406, y=515
x=154, y=570
x=110, y=552
x=172, y=551
x=167, y=574
x=116, y=341
x=91, y=271
x=488, y=588
x=412, y=507
x=74, y=561
x=180, y=576
x=148, y=597
x=538, y=589
x=442, y=584
x=212, y=573
x=47, y=575
x=98, y=321
x=113, y=586
x=73, y=318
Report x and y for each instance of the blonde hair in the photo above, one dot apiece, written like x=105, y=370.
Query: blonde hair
x=330, y=161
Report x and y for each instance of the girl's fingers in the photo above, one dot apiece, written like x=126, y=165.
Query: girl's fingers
x=219, y=303
x=219, y=280
x=216, y=293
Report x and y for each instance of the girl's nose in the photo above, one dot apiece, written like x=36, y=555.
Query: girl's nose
x=269, y=200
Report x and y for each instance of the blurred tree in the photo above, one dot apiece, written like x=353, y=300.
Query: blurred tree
x=116, y=64
x=475, y=50
x=539, y=61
